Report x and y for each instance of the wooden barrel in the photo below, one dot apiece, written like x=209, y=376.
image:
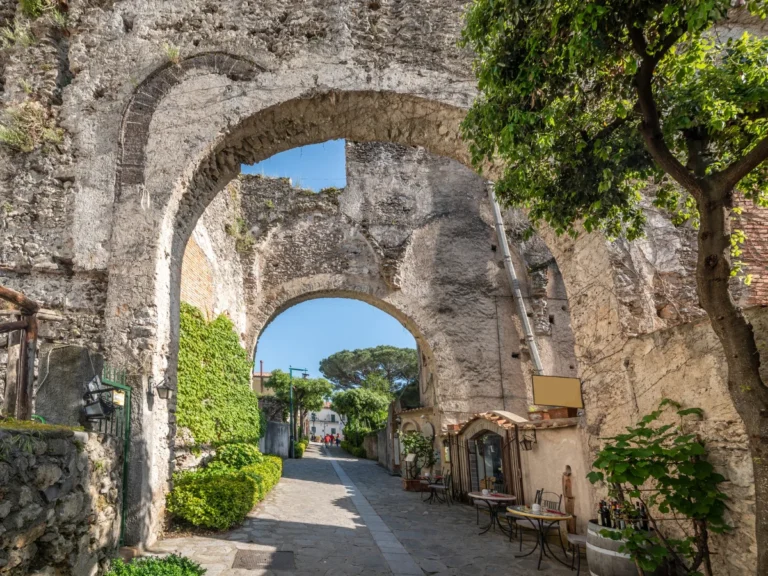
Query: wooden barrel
x=604, y=557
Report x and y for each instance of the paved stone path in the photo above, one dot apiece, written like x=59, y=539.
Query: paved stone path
x=344, y=516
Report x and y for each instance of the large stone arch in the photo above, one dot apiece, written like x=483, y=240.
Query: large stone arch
x=191, y=152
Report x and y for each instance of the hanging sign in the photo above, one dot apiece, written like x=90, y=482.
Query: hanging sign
x=557, y=391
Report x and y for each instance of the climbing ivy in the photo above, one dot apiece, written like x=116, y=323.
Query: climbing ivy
x=215, y=398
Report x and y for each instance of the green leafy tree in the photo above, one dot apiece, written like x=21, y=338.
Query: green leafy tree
x=664, y=467
x=585, y=104
x=383, y=368
x=215, y=400
x=309, y=394
x=361, y=407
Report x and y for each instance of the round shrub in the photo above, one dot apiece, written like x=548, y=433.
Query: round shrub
x=169, y=566
x=216, y=501
x=299, y=448
x=236, y=456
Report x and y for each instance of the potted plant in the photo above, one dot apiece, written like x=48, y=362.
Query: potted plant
x=658, y=471
x=423, y=457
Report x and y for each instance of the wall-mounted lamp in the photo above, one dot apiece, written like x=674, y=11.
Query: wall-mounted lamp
x=528, y=439
x=162, y=388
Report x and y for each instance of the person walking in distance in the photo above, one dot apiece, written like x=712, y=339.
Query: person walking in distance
x=338, y=439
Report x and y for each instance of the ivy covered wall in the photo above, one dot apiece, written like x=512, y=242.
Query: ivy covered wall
x=215, y=401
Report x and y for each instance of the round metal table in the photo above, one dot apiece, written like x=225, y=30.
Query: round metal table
x=494, y=502
x=538, y=520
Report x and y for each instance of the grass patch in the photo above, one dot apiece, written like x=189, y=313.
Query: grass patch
x=28, y=126
x=34, y=426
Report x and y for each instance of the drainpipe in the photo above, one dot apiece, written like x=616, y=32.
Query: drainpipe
x=501, y=234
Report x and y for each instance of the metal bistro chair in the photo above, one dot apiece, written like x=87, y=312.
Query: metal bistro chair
x=577, y=543
x=441, y=491
x=547, y=501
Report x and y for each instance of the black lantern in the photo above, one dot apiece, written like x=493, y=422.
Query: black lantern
x=528, y=439
x=98, y=400
x=162, y=388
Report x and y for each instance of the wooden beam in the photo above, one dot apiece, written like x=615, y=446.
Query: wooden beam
x=30, y=306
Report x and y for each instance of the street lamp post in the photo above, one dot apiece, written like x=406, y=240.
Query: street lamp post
x=290, y=372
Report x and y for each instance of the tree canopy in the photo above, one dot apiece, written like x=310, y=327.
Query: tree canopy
x=586, y=106
x=308, y=393
x=383, y=368
x=587, y=102
x=362, y=407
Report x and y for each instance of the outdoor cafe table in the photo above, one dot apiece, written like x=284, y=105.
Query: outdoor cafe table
x=539, y=520
x=494, y=501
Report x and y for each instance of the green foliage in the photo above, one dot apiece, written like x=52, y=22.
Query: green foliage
x=17, y=35
x=266, y=474
x=244, y=239
x=308, y=393
x=299, y=448
x=216, y=501
x=172, y=565
x=219, y=495
x=35, y=8
x=269, y=205
x=331, y=191
x=664, y=467
x=363, y=408
x=172, y=52
x=28, y=126
x=215, y=400
x=383, y=368
x=237, y=455
x=421, y=446
x=566, y=96
x=357, y=451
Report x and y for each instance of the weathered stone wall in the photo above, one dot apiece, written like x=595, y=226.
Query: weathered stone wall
x=59, y=502
x=411, y=234
x=150, y=142
x=211, y=273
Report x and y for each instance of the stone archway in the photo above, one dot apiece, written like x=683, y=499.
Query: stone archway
x=188, y=155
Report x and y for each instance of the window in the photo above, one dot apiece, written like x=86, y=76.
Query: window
x=333, y=417
x=333, y=430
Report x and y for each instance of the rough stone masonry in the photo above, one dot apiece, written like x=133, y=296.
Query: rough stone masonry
x=159, y=103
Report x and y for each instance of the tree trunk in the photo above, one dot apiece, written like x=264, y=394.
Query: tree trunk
x=749, y=393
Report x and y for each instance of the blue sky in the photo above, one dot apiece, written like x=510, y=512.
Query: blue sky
x=308, y=332
x=315, y=166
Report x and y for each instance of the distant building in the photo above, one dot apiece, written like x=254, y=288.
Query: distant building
x=258, y=380
x=326, y=421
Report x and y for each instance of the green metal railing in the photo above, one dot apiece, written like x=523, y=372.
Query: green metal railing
x=118, y=424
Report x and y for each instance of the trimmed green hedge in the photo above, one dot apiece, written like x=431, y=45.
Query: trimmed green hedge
x=215, y=501
x=357, y=451
x=215, y=400
x=219, y=496
x=238, y=455
x=169, y=566
x=299, y=448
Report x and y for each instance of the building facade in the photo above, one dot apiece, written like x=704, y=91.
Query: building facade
x=326, y=421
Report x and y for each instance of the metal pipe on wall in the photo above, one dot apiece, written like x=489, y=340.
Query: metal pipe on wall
x=501, y=234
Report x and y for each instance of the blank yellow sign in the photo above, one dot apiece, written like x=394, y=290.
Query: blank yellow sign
x=557, y=391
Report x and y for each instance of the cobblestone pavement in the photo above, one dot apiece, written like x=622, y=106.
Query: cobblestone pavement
x=344, y=516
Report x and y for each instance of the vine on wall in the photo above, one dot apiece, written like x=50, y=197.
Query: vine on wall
x=215, y=401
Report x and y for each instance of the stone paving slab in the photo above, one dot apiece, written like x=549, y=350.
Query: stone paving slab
x=342, y=516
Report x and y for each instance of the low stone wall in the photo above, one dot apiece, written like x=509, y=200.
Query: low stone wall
x=60, y=501
x=371, y=445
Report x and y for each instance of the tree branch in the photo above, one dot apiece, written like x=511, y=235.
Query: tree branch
x=727, y=178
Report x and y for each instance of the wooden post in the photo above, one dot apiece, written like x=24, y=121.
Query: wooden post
x=27, y=370
x=569, y=500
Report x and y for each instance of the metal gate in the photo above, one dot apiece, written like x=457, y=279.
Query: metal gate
x=108, y=411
